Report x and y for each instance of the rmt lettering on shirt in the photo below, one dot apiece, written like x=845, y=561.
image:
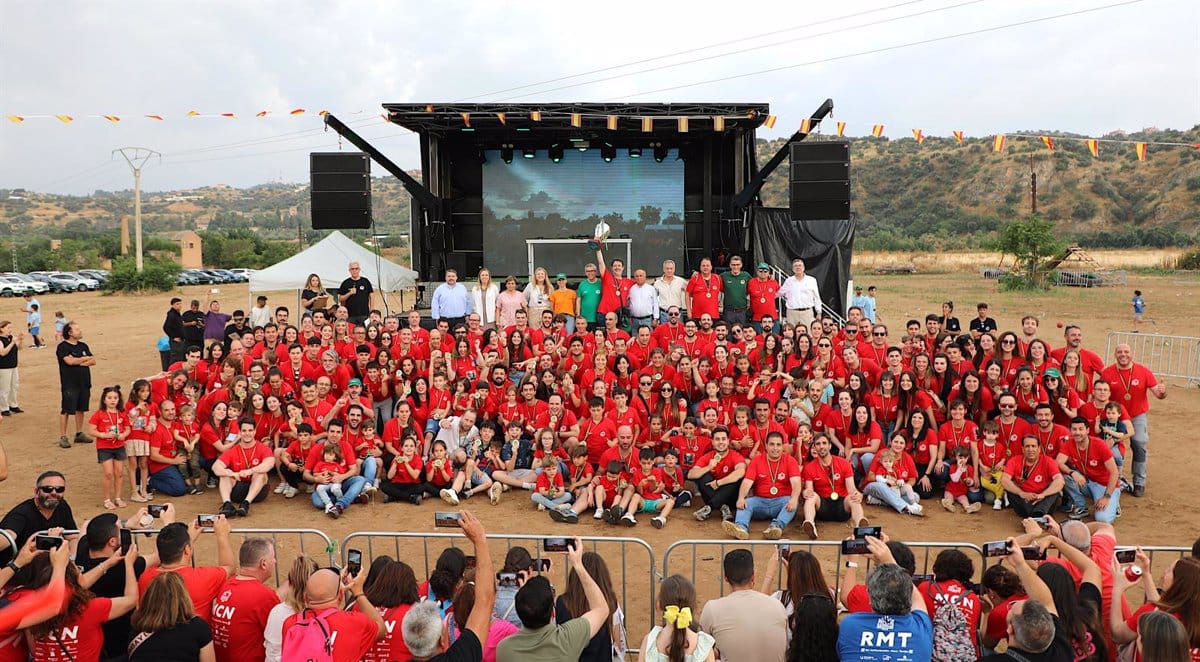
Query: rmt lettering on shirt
x=871, y=640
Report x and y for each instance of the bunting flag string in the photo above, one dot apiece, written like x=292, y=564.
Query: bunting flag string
x=65, y=119
x=1093, y=146
x=958, y=136
x=466, y=118
x=718, y=123
x=503, y=120
x=683, y=125
x=1048, y=142
x=998, y=143
x=112, y=118
x=577, y=120
x=612, y=123
x=1140, y=150
x=535, y=116
x=806, y=126
x=841, y=129
x=877, y=130
x=919, y=136
x=647, y=124
x=770, y=121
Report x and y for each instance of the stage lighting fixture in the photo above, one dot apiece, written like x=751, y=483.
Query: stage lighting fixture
x=506, y=153
x=581, y=145
x=635, y=152
x=608, y=152
x=529, y=153
x=660, y=152
x=556, y=153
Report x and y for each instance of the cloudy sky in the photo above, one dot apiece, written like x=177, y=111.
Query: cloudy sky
x=1128, y=66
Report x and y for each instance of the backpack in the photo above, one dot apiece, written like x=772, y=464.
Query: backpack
x=308, y=638
x=951, y=632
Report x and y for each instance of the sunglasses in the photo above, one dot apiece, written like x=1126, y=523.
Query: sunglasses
x=646, y=383
x=1008, y=342
x=880, y=335
x=1008, y=406
x=672, y=314
x=51, y=489
x=824, y=344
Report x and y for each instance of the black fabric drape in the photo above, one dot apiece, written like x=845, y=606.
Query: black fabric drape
x=825, y=247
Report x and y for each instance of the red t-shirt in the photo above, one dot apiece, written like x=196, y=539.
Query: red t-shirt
x=81, y=636
x=858, y=601
x=1011, y=433
x=163, y=441
x=391, y=647
x=1033, y=479
x=351, y=633
x=761, y=293
x=902, y=470
x=954, y=437
x=1091, y=460
x=997, y=619
x=725, y=466
x=203, y=585
x=240, y=459
x=628, y=459
x=596, y=437
x=1052, y=441
x=1129, y=387
x=403, y=477
x=690, y=449
x=239, y=616
x=105, y=422
x=704, y=295
x=938, y=595
x=543, y=482
x=777, y=475
x=826, y=480
x=646, y=484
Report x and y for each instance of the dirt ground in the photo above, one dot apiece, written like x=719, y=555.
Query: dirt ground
x=122, y=331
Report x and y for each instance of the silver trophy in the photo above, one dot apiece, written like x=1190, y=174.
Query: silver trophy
x=599, y=236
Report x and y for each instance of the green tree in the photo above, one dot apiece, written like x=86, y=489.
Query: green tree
x=1030, y=241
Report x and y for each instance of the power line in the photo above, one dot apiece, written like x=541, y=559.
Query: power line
x=884, y=49
x=692, y=50
x=281, y=151
x=753, y=48
x=282, y=137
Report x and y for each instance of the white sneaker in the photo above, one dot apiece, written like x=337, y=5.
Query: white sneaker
x=449, y=497
x=280, y=488
x=658, y=522
x=916, y=509
x=371, y=487
x=873, y=500
x=290, y=492
x=599, y=514
x=541, y=507
x=998, y=504
x=495, y=491
x=628, y=520
x=329, y=508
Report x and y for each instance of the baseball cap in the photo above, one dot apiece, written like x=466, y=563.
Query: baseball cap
x=858, y=288
x=764, y=265
x=560, y=277
x=1052, y=372
x=354, y=382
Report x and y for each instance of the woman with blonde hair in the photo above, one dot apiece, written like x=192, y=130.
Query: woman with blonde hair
x=165, y=627
x=291, y=601
x=537, y=296
x=483, y=299
x=312, y=294
x=678, y=638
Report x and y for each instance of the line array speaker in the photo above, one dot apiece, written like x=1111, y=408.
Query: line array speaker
x=341, y=190
x=820, y=181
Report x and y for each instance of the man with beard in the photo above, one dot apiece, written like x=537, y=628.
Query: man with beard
x=1032, y=481
x=1131, y=383
x=46, y=511
x=775, y=479
x=830, y=494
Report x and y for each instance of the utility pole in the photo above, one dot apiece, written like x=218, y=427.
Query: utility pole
x=137, y=157
x=1032, y=186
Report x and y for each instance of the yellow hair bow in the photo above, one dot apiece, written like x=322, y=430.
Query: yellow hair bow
x=680, y=618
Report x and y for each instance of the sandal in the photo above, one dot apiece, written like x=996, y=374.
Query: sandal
x=119, y=502
x=108, y=505
x=137, y=496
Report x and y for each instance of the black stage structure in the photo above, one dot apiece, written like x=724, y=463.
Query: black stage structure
x=721, y=208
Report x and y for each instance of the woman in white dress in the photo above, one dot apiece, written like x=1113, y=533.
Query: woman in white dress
x=678, y=639
x=484, y=299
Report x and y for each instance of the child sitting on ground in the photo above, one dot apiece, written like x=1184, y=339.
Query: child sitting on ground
x=649, y=493
x=962, y=479
x=992, y=457
x=550, y=492
x=609, y=491
x=578, y=484
x=334, y=464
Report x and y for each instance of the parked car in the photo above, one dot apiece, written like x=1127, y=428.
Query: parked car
x=229, y=276
x=201, y=276
x=82, y=283
x=54, y=284
x=98, y=275
x=37, y=286
x=11, y=287
x=244, y=274
x=219, y=277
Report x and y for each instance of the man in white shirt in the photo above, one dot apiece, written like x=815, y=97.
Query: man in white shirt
x=801, y=296
x=643, y=302
x=670, y=290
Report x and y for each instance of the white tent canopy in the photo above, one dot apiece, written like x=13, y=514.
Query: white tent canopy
x=329, y=259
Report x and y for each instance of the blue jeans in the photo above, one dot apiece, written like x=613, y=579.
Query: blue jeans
x=1078, y=497
x=889, y=496
x=772, y=508
x=551, y=504
x=636, y=323
x=369, y=468
x=168, y=481
x=351, y=488
x=1141, y=436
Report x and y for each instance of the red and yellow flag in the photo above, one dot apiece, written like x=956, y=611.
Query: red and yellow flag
x=154, y=117
x=112, y=118
x=65, y=119
x=15, y=119
x=841, y=129
x=576, y=120
x=1140, y=150
x=466, y=118
x=718, y=122
x=229, y=115
x=429, y=108
x=193, y=113
x=998, y=143
x=806, y=126
x=297, y=111
x=958, y=136
x=262, y=113
x=647, y=124
x=919, y=136
x=1048, y=142
x=1093, y=146
x=877, y=130
x=500, y=116
x=323, y=113
x=612, y=122
x=535, y=115
x=770, y=121
x=683, y=125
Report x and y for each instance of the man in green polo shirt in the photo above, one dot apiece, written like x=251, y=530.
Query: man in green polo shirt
x=543, y=641
x=589, y=292
x=733, y=290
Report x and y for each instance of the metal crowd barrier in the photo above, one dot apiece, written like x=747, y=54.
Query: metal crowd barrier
x=416, y=550
x=309, y=542
x=1165, y=356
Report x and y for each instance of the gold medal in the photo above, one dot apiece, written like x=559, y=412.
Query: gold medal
x=1128, y=396
x=762, y=299
x=774, y=490
x=708, y=294
x=833, y=496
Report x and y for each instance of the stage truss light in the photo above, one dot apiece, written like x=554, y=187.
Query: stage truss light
x=506, y=153
x=529, y=153
x=556, y=153
x=660, y=152
x=635, y=152
x=608, y=152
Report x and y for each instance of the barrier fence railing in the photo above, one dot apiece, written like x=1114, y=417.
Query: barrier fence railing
x=287, y=542
x=1165, y=356
x=627, y=582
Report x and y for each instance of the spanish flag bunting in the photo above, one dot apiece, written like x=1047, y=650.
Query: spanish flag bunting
x=1048, y=142
x=919, y=136
x=500, y=116
x=323, y=113
x=466, y=117
x=647, y=124
x=65, y=119
x=535, y=115
x=384, y=117
x=998, y=143
x=958, y=135
x=1093, y=146
x=612, y=122
x=718, y=122
x=806, y=126
x=576, y=120
x=683, y=125
x=877, y=130
x=1140, y=150
x=429, y=108
x=112, y=118
x=770, y=121
x=841, y=129
x=154, y=117
x=229, y=115
x=262, y=113
x=15, y=119
x=193, y=113
x=297, y=111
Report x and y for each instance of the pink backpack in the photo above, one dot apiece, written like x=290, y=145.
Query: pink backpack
x=308, y=638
